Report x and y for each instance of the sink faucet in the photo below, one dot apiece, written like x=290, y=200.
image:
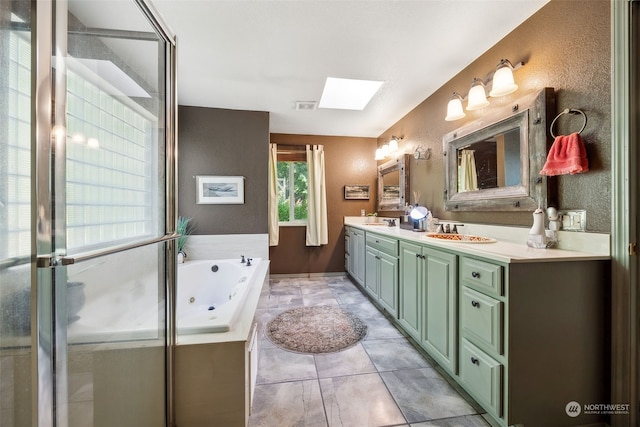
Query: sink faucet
x=448, y=229
x=391, y=222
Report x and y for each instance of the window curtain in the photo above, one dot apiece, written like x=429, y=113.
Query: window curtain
x=469, y=176
x=274, y=230
x=317, y=231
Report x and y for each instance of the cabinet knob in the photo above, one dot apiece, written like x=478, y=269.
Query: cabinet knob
x=475, y=304
x=417, y=255
x=475, y=361
x=475, y=274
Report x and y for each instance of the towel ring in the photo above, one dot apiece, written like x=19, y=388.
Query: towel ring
x=569, y=111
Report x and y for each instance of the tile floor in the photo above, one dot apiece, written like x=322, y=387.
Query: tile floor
x=381, y=381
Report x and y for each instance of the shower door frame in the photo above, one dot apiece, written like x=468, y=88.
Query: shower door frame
x=49, y=341
x=625, y=204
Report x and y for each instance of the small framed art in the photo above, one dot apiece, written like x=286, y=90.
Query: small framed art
x=220, y=190
x=356, y=192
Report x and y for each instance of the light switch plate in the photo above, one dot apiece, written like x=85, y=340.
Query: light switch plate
x=573, y=220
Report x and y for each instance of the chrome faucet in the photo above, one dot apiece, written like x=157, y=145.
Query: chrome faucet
x=447, y=229
x=391, y=222
x=249, y=262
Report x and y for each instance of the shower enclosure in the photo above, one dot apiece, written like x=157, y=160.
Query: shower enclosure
x=87, y=213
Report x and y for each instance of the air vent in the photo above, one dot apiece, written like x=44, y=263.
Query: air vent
x=306, y=105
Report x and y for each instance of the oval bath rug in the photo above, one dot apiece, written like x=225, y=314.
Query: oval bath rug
x=316, y=329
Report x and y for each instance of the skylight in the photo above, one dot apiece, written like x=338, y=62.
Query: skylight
x=348, y=94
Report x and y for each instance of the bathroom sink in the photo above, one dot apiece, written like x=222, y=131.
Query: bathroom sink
x=376, y=223
x=461, y=238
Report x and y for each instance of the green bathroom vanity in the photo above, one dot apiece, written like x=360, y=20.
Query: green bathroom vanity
x=523, y=331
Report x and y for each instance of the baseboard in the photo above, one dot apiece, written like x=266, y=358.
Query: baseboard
x=306, y=275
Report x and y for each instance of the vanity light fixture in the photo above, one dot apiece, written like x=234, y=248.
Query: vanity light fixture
x=454, y=108
x=503, y=83
x=389, y=149
x=477, y=95
x=393, y=144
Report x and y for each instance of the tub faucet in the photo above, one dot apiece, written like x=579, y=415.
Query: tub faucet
x=249, y=262
x=242, y=260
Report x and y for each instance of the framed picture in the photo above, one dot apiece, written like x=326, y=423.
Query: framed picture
x=356, y=192
x=220, y=190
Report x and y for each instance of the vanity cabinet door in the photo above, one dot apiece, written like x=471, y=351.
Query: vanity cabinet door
x=357, y=255
x=371, y=272
x=410, y=295
x=440, y=307
x=354, y=254
x=388, y=282
x=347, y=251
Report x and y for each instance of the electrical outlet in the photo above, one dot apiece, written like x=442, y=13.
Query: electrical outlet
x=574, y=220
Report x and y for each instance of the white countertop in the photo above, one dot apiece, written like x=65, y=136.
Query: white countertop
x=502, y=250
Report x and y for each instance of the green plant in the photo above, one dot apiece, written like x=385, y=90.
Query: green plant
x=184, y=231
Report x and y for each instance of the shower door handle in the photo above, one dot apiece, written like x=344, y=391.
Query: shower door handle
x=51, y=262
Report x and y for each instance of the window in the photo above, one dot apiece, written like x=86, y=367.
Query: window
x=110, y=189
x=292, y=192
x=112, y=183
x=15, y=149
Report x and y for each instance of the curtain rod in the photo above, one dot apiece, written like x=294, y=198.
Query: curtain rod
x=291, y=149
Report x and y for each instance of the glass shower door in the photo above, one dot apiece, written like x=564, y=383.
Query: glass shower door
x=87, y=179
x=109, y=205
x=16, y=247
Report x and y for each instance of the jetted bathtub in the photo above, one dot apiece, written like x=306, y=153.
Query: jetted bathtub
x=210, y=294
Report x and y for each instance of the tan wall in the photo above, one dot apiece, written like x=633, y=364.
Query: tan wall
x=565, y=45
x=347, y=161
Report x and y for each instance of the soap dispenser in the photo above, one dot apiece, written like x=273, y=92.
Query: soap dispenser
x=554, y=226
x=537, y=235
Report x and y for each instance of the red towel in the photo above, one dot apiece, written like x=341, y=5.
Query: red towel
x=567, y=155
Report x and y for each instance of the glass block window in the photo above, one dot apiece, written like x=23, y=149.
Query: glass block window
x=15, y=150
x=110, y=173
x=112, y=155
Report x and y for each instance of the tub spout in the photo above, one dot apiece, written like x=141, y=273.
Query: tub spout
x=242, y=260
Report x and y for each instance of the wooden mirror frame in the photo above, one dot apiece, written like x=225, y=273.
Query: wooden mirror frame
x=400, y=164
x=532, y=114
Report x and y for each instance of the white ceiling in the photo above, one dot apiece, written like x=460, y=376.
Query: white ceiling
x=265, y=55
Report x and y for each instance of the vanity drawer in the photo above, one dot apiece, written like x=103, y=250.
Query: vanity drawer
x=384, y=244
x=481, y=318
x=482, y=375
x=481, y=275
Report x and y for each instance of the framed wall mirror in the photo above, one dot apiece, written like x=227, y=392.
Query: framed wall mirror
x=393, y=184
x=493, y=164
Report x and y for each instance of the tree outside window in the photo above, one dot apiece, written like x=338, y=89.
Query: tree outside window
x=292, y=192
